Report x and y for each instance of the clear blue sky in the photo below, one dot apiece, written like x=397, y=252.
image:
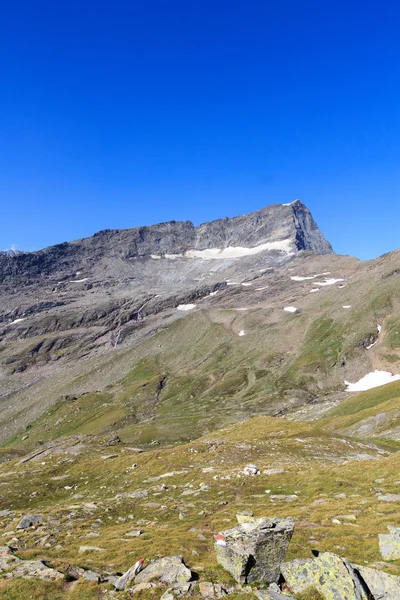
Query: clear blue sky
x=124, y=113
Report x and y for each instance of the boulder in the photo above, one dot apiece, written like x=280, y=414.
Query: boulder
x=327, y=573
x=170, y=570
x=381, y=586
x=30, y=521
x=8, y=562
x=389, y=544
x=253, y=551
x=28, y=569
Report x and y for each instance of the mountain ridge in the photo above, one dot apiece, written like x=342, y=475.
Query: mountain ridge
x=288, y=227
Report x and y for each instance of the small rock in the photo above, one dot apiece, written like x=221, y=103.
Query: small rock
x=30, y=521
x=83, y=549
x=141, y=586
x=388, y=497
x=251, y=470
x=206, y=589
x=134, y=533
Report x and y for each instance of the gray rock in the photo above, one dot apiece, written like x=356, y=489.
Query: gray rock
x=134, y=533
x=30, y=521
x=170, y=570
x=7, y=562
x=389, y=544
x=381, y=585
x=29, y=569
x=327, y=574
x=388, y=497
x=83, y=549
x=253, y=551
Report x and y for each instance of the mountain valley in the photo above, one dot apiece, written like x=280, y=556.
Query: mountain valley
x=142, y=371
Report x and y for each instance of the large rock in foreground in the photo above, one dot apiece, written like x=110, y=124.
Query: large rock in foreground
x=170, y=570
x=327, y=573
x=253, y=551
x=381, y=586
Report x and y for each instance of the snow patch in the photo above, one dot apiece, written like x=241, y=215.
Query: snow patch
x=213, y=293
x=290, y=309
x=346, y=306
x=17, y=321
x=301, y=278
x=261, y=288
x=331, y=281
x=241, y=333
x=79, y=280
x=186, y=306
x=315, y=290
x=371, y=380
x=247, y=284
x=238, y=251
x=155, y=256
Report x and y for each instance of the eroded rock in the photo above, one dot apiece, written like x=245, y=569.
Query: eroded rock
x=170, y=570
x=253, y=551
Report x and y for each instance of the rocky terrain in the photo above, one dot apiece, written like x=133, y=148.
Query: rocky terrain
x=159, y=383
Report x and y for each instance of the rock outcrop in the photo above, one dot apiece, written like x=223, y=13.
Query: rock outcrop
x=253, y=551
x=389, y=543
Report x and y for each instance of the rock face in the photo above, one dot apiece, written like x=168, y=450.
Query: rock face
x=292, y=222
x=170, y=570
x=389, y=543
x=253, y=551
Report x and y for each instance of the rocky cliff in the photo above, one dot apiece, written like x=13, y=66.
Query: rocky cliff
x=288, y=228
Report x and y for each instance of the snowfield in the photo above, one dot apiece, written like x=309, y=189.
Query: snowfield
x=371, y=380
x=290, y=309
x=16, y=321
x=186, y=306
x=331, y=281
x=239, y=251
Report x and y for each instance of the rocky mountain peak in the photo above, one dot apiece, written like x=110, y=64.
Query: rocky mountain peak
x=278, y=231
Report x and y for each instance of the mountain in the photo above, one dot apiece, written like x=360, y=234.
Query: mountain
x=68, y=304
x=146, y=373
x=287, y=228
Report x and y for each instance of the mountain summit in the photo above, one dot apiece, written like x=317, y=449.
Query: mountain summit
x=280, y=230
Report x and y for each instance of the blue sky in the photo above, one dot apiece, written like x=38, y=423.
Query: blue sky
x=124, y=113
